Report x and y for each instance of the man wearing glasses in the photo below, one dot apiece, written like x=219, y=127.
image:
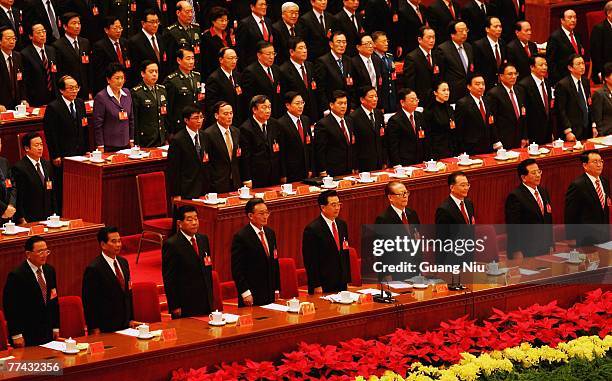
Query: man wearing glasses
x=587, y=201
x=325, y=248
x=528, y=214
x=30, y=298
x=107, y=50
x=397, y=212
x=262, y=77
x=147, y=45
x=255, y=258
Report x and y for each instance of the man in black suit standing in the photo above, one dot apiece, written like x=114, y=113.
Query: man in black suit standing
x=297, y=75
x=490, y=52
x=12, y=81
x=187, y=267
x=74, y=54
x=111, y=49
x=521, y=49
x=351, y=23
x=147, y=44
x=475, y=13
x=369, y=130
x=90, y=15
x=188, y=159
x=573, y=103
x=39, y=68
x=12, y=17
x=222, y=142
x=457, y=60
x=411, y=16
x=36, y=195
x=600, y=49
x=286, y=28
x=251, y=30
x=538, y=102
x=563, y=43
x=440, y=14
x=587, y=203
x=509, y=12
x=474, y=120
x=333, y=71
x=224, y=85
x=30, y=298
x=507, y=103
x=8, y=193
x=398, y=211
x=528, y=214
x=296, y=134
x=334, y=145
x=388, y=88
x=107, y=286
x=325, y=248
x=255, y=258
x=317, y=28
x=261, y=164
x=366, y=66
x=405, y=132
x=422, y=66
x=263, y=77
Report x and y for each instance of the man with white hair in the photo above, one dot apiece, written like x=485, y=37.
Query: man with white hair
x=288, y=26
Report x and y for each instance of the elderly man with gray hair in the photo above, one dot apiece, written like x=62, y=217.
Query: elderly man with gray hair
x=600, y=49
x=288, y=26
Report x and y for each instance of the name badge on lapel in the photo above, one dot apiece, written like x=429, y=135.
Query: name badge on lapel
x=19, y=76
x=278, y=88
x=349, y=81
x=53, y=68
x=436, y=69
x=382, y=131
x=275, y=254
x=313, y=85
x=345, y=244
x=275, y=147
x=548, y=209
x=491, y=119
x=523, y=111
x=238, y=152
x=163, y=110
x=8, y=183
x=395, y=17
x=307, y=139
x=196, y=49
x=473, y=221
x=451, y=124
x=85, y=59
x=609, y=202
x=207, y=260
x=205, y=157
x=84, y=122
x=95, y=11
x=238, y=90
x=49, y=184
x=53, y=294
x=123, y=115
x=421, y=134
x=393, y=76
x=353, y=139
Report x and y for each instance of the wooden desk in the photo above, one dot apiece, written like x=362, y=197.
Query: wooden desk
x=106, y=193
x=490, y=184
x=274, y=333
x=71, y=252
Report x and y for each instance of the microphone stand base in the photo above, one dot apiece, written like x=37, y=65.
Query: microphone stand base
x=384, y=299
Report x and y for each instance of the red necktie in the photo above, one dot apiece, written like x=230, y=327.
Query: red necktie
x=263, y=242
x=348, y=140
x=269, y=74
x=304, y=76
x=119, y=54
x=482, y=111
x=514, y=105
x=412, y=123
x=539, y=201
x=527, y=50
x=544, y=96
x=452, y=10
x=573, y=41
x=404, y=219
x=42, y=284
x=335, y=233
x=429, y=60
x=300, y=129
x=195, y=246
x=465, y=215
x=497, y=55
x=120, y=277
x=600, y=194
x=264, y=30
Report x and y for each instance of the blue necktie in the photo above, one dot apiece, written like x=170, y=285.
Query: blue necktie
x=583, y=106
x=341, y=66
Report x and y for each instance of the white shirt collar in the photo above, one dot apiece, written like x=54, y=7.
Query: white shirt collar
x=257, y=230
x=113, y=42
x=537, y=80
x=67, y=102
x=365, y=59
x=476, y=100
x=265, y=68
x=318, y=16
x=257, y=18
x=457, y=46
x=260, y=124
x=399, y=212
x=479, y=3
x=191, y=133
x=508, y=89
x=227, y=74
x=413, y=6
x=367, y=112
x=111, y=262
x=425, y=53
x=148, y=35
x=328, y=222
x=336, y=58
x=111, y=94
x=6, y=56
x=35, y=162
x=530, y=189
x=221, y=128
x=297, y=66
x=348, y=13
x=567, y=32
x=458, y=202
x=593, y=180
x=408, y=114
x=188, y=237
x=493, y=43
x=293, y=118
x=35, y=269
x=71, y=40
x=338, y=119
x=289, y=27
x=7, y=9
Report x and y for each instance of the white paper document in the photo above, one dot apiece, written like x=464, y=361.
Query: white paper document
x=374, y=291
x=605, y=245
x=55, y=345
x=134, y=332
x=276, y=307
x=397, y=285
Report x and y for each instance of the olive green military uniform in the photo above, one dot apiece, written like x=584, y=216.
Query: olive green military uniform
x=182, y=89
x=177, y=36
x=150, y=106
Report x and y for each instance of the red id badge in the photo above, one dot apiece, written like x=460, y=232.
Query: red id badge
x=207, y=261
x=123, y=115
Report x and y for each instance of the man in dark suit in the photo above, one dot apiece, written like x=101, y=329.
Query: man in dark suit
x=107, y=286
x=12, y=81
x=224, y=85
x=255, y=258
x=296, y=134
x=369, y=130
x=111, y=49
x=188, y=160
x=43, y=12
x=388, y=88
x=474, y=120
x=187, y=267
x=381, y=16
x=222, y=142
x=490, y=52
x=36, y=195
x=509, y=12
x=90, y=15
x=366, y=66
x=600, y=49
x=602, y=104
x=521, y=49
x=411, y=16
x=325, y=248
x=349, y=21
x=528, y=214
x=563, y=43
x=573, y=103
x=587, y=203
x=317, y=28
x=538, y=102
x=286, y=28
x=297, y=75
x=334, y=145
x=507, y=103
x=263, y=77
x=333, y=71
x=440, y=14
x=147, y=44
x=261, y=164
x=457, y=60
x=475, y=13
x=12, y=17
x=251, y=30
x=39, y=68
x=405, y=132
x=74, y=54
x=8, y=193
x=422, y=66
x=398, y=211
x=30, y=298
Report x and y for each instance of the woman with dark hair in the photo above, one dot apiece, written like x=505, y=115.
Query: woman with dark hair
x=440, y=121
x=113, y=119
x=215, y=38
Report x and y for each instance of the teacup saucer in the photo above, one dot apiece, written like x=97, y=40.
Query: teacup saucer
x=345, y=301
x=71, y=352
x=495, y=273
x=135, y=157
x=97, y=161
x=219, y=324
x=293, y=311
x=420, y=285
x=432, y=170
x=578, y=261
x=501, y=158
x=465, y=163
x=54, y=226
x=290, y=193
x=5, y=233
x=246, y=198
x=332, y=186
x=145, y=337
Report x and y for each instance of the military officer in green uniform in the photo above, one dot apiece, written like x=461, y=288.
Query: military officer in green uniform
x=184, y=87
x=150, y=104
x=183, y=34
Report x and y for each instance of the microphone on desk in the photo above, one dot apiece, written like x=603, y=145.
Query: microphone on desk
x=456, y=283
x=385, y=295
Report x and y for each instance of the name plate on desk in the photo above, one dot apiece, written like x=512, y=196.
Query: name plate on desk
x=156, y=154
x=556, y=151
x=73, y=224
x=523, y=155
x=513, y=275
x=7, y=116
x=365, y=299
x=441, y=288
x=307, y=308
x=169, y=334
x=245, y=321
x=342, y=184
x=37, y=229
x=382, y=177
x=232, y=201
x=270, y=195
x=589, y=145
x=417, y=173
x=303, y=189
x=95, y=348
x=119, y=158
x=451, y=166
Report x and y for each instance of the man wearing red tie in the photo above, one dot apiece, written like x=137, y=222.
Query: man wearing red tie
x=397, y=212
x=255, y=258
x=325, y=248
x=587, y=201
x=528, y=214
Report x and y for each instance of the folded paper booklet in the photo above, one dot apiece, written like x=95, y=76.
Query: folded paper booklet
x=605, y=246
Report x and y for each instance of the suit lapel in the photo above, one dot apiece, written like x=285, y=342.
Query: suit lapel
x=531, y=201
x=327, y=232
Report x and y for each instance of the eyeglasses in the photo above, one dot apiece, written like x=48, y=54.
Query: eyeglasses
x=299, y=103
x=269, y=54
x=536, y=172
x=199, y=117
x=597, y=162
x=264, y=213
x=335, y=204
x=72, y=88
x=403, y=194
x=154, y=22
x=41, y=252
